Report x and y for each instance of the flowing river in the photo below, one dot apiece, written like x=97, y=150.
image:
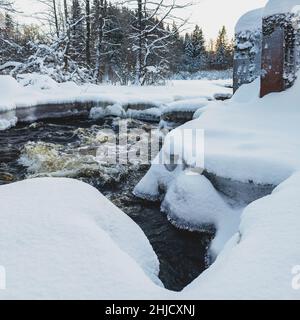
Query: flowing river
x=67, y=148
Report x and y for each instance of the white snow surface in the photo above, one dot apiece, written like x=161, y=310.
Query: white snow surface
x=260, y=260
x=250, y=21
x=37, y=90
x=247, y=139
x=281, y=6
x=61, y=239
x=192, y=201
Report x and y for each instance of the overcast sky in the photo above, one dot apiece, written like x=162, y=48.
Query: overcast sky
x=209, y=14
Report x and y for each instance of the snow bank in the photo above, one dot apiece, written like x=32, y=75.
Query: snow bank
x=281, y=6
x=249, y=142
x=258, y=261
x=145, y=103
x=61, y=239
x=42, y=90
x=251, y=21
x=246, y=138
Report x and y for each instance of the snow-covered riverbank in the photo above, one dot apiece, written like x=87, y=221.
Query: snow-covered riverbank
x=60, y=239
x=137, y=102
x=51, y=229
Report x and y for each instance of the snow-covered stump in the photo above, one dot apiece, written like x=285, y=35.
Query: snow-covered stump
x=281, y=47
x=247, y=56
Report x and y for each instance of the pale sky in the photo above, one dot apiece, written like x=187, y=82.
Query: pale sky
x=211, y=15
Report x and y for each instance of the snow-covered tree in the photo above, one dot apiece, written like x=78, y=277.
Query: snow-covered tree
x=223, y=51
x=195, y=51
x=150, y=37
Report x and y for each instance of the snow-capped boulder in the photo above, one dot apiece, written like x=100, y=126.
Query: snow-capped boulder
x=61, y=239
x=261, y=261
x=281, y=7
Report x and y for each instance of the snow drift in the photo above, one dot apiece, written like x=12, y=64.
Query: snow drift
x=61, y=239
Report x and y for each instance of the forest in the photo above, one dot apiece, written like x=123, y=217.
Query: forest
x=137, y=42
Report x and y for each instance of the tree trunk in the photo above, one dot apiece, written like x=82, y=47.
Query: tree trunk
x=100, y=18
x=55, y=18
x=88, y=33
x=66, y=62
x=140, y=43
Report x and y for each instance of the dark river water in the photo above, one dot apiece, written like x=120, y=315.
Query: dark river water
x=66, y=148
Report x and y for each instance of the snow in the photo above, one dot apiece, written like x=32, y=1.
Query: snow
x=36, y=90
x=281, y=6
x=7, y=123
x=257, y=262
x=246, y=138
x=192, y=202
x=249, y=141
x=251, y=21
x=191, y=105
x=61, y=239
x=115, y=110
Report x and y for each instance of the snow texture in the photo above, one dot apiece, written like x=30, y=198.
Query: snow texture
x=61, y=239
x=251, y=21
x=281, y=6
x=137, y=102
x=260, y=260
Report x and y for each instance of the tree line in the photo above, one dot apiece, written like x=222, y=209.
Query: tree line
x=133, y=42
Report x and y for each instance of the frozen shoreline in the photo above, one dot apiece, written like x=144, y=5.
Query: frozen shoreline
x=37, y=97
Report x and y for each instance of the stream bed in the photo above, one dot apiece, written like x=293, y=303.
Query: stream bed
x=67, y=148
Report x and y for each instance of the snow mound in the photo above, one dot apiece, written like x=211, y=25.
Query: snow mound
x=37, y=81
x=192, y=202
x=251, y=21
x=281, y=6
x=61, y=239
x=259, y=261
x=115, y=110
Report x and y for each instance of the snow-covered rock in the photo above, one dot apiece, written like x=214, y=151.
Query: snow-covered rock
x=250, y=143
x=281, y=6
x=250, y=21
x=191, y=202
x=261, y=261
x=61, y=239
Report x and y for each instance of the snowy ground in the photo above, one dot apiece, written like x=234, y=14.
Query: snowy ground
x=71, y=232
x=36, y=90
x=60, y=239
